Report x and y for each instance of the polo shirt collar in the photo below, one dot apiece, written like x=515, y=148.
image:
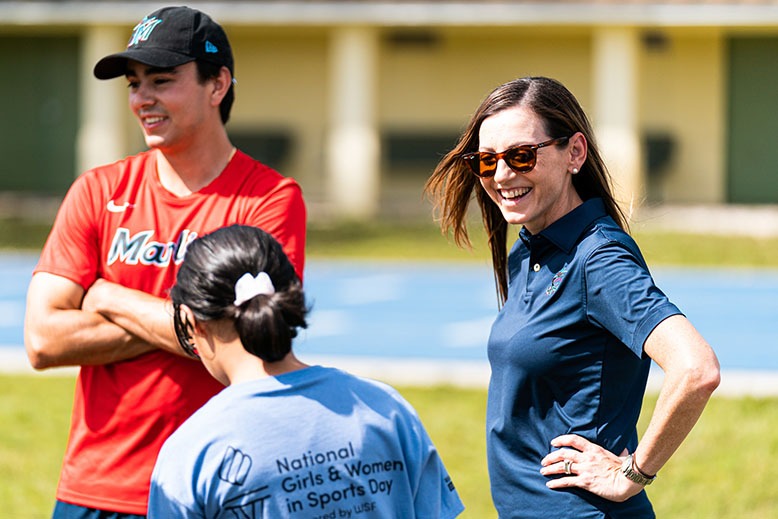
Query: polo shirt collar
x=565, y=232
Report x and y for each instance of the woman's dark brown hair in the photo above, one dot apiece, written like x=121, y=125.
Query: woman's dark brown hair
x=452, y=185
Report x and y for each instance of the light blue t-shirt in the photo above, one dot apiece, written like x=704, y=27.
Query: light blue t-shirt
x=313, y=443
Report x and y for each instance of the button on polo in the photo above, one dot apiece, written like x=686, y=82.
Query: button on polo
x=536, y=267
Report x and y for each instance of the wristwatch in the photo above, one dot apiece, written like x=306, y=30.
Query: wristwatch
x=633, y=474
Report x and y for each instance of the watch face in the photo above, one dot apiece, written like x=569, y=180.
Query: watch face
x=633, y=475
x=626, y=466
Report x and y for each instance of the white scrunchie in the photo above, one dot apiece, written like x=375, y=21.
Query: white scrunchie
x=249, y=286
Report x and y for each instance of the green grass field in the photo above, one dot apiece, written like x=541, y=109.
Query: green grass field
x=422, y=241
x=724, y=470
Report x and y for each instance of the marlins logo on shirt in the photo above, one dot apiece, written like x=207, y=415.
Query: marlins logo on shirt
x=556, y=281
x=141, y=248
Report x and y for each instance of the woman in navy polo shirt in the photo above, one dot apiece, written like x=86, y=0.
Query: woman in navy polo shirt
x=581, y=317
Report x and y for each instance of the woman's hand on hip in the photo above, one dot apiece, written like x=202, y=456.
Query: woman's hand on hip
x=586, y=465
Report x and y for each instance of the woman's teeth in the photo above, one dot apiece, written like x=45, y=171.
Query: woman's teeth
x=511, y=194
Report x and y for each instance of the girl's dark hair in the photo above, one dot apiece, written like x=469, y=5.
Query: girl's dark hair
x=266, y=324
x=452, y=185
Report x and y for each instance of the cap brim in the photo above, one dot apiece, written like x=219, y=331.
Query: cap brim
x=115, y=65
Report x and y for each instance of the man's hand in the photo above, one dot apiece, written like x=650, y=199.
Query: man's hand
x=97, y=297
x=143, y=315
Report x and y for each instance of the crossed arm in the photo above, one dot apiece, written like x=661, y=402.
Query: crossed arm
x=68, y=326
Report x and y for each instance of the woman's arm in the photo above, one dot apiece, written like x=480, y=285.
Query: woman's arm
x=691, y=375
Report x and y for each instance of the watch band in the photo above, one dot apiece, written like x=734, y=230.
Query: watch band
x=633, y=474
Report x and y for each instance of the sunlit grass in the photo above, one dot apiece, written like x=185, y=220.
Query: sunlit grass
x=423, y=241
x=722, y=471
x=35, y=416
x=19, y=234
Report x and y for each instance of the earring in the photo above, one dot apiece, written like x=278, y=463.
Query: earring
x=575, y=171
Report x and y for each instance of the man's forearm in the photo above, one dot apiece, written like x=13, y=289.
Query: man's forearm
x=78, y=338
x=57, y=332
x=142, y=315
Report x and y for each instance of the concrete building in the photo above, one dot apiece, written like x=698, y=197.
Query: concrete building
x=358, y=100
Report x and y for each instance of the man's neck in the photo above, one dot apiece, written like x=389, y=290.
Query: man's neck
x=188, y=171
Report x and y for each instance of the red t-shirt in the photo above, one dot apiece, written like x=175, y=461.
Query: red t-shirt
x=118, y=223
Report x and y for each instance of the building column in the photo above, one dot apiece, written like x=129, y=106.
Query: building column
x=352, y=146
x=615, y=114
x=102, y=135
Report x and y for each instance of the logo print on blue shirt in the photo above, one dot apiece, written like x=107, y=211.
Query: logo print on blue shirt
x=235, y=466
x=210, y=48
x=556, y=281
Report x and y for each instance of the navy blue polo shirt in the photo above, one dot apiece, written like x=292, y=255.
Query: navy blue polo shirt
x=566, y=353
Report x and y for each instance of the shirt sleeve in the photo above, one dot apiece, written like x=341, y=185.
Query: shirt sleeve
x=162, y=506
x=435, y=496
x=165, y=493
x=621, y=296
x=72, y=247
x=283, y=215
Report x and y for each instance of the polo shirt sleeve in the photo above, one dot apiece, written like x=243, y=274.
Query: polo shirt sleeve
x=621, y=296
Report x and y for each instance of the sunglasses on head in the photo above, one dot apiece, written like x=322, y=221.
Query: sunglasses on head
x=520, y=159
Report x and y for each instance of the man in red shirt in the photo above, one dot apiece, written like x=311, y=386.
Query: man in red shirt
x=98, y=296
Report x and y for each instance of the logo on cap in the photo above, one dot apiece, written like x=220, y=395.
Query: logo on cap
x=210, y=48
x=142, y=31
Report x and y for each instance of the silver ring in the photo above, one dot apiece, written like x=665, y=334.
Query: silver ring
x=568, y=464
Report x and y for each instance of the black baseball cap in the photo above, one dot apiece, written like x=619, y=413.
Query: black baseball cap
x=170, y=37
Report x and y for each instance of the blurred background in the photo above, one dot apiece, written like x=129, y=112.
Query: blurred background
x=359, y=100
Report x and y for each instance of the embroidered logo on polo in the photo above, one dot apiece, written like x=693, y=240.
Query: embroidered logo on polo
x=143, y=30
x=558, y=277
x=141, y=248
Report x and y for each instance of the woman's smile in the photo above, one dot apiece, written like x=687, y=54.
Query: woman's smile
x=515, y=194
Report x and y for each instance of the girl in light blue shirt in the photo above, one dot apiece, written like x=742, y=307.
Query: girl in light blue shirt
x=284, y=439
